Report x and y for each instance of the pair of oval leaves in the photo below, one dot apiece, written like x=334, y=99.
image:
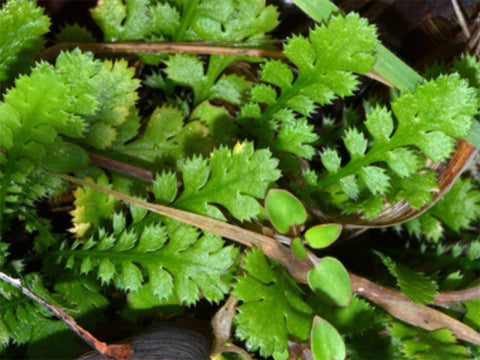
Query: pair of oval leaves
x=286, y=211
x=328, y=279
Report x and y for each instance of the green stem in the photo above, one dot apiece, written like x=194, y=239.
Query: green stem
x=189, y=8
x=354, y=166
x=216, y=65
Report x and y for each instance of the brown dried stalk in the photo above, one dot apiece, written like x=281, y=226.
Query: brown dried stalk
x=392, y=301
x=459, y=296
x=199, y=48
x=418, y=315
x=116, y=352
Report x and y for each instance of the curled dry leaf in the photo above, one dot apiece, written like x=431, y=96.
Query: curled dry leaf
x=222, y=324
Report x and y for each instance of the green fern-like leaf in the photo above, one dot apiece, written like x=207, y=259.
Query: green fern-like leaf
x=429, y=119
x=177, y=261
x=23, y=319
x=22, y=24
x=92, y=208
x=188, y=70
x=168, y=139
x=116, y=104
x=185, y=21
x=425, y=345
x=356, y=318
x=457, y=209
x=246, y=20
x=325, y=71
x=73, y=99
x=122, y=20
x=43, y=105
x=414, y=285
x=234, y=179
x=272, y=307
x=74, y=32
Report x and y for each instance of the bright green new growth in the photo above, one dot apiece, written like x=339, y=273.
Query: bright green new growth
x=40, y=107
x=73, y=99
x=326, y=61
x=272, y=307
x=22, y=24
x=232, y=178
x=429, y=119
x=414, y=285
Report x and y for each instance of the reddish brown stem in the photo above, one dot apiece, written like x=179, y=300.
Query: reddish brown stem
x=459, y=296
x=117, y=352
x=418, y=315
x=121, y=167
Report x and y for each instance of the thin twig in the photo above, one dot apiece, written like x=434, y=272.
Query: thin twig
x=474, y=40
x=390, y=300
x=199, y=48
x=117, y=352
x=461, y=19
x=402, y=308
x=459, y=296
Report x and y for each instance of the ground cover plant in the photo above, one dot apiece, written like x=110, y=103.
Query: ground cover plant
x=185, y=167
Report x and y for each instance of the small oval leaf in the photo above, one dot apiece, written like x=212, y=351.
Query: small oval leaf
x=298, y=249
x=331, y=282
x=321, y=236
x=284, y=210
x=325, y=341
